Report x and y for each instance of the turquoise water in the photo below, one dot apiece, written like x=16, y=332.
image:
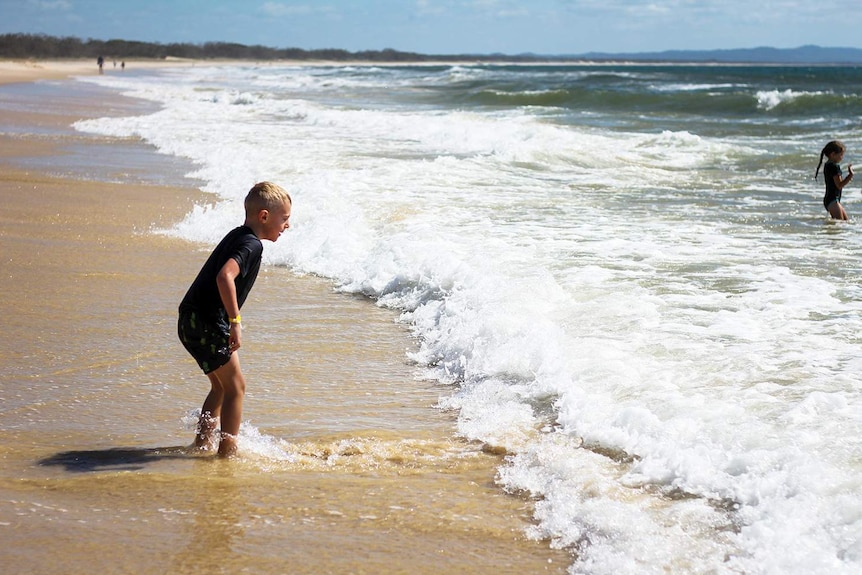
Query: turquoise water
x=621, y=275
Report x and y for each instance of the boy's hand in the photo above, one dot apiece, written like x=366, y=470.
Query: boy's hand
x=850, y=169
x=234, y=341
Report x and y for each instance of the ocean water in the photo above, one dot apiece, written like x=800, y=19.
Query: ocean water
x=622, y=276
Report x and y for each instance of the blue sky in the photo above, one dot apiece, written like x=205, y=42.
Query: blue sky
x=451, y=26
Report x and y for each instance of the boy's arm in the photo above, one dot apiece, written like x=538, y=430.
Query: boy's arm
x=227, y=291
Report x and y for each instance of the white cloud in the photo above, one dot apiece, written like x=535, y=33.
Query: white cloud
x=497, y=8
x=280, y=9
x=429, y=8
x=50, y=5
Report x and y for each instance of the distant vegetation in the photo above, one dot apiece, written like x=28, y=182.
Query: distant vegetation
x=42, y=46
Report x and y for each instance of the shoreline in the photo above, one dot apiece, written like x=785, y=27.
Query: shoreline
x=33, y=69
x=354, y=471
x=30, y=70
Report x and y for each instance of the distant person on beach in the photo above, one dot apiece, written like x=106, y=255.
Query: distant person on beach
x=209, y=324
x=834, y=152
x=101, y=62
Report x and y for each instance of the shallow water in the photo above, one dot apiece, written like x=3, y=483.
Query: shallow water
x=624, y=272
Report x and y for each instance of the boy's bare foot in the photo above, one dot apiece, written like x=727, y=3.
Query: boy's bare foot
x=207, y=436
x=227, y=446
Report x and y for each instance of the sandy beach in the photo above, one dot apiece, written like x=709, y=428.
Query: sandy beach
x=364, y=475
x=30, y=70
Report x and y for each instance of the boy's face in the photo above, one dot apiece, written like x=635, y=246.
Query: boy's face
x=273, y=223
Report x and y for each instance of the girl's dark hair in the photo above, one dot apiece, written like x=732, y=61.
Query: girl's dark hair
x=830, y=148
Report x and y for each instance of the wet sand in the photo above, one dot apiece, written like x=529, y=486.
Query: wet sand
x=345, y=465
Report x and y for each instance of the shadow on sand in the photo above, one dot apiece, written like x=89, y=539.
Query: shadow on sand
x=117, y=459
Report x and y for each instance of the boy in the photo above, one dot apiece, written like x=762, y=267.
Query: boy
x=209, y=321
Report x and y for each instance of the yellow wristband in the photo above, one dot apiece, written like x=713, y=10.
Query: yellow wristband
x=236, y=320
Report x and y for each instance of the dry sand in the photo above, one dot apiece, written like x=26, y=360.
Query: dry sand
x=30, y=70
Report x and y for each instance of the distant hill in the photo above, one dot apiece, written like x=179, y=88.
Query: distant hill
x=765, y=55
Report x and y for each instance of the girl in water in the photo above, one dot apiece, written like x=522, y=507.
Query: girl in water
x=834, y=152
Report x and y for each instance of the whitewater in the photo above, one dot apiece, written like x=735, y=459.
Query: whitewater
x=622, y=277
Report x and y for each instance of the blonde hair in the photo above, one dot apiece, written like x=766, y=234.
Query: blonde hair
x=265, y=196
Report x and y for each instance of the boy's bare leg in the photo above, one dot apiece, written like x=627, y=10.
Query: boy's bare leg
x=232, y=385
x=207, y=431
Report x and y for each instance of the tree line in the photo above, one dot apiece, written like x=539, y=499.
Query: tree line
x=50, y=47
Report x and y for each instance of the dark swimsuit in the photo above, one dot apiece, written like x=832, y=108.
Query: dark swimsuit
x=833, y=194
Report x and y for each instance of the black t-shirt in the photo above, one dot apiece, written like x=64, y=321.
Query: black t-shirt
x=830, y=170
x=240, y=244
